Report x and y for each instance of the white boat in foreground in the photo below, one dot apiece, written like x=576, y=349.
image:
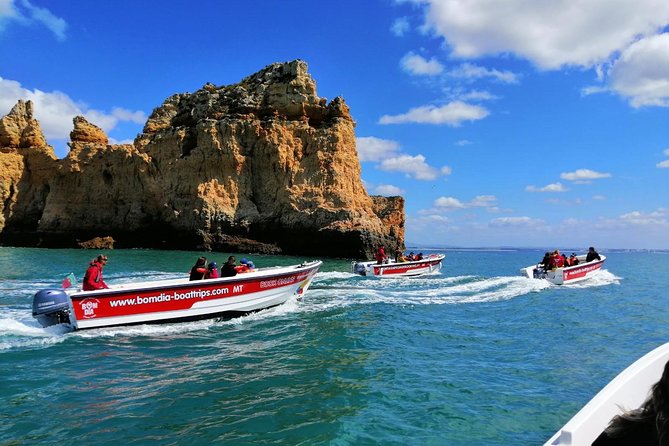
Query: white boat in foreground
x=174, y=300
x=568, y=274
x=626, y=391
x=399, y=269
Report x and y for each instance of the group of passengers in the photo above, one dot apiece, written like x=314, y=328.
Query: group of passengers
x=381, y=256
x=556, y=260
x=411, y=257
x=201, y=270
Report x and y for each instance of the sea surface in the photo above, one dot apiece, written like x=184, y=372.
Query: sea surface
x=472, y=355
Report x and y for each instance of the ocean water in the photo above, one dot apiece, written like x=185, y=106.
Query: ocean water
x=472, y=355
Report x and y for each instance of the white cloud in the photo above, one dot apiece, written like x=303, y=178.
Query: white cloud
x=641, y=74
x=55, y=110
x=452, y=114
x=599, y=197
x=448, y=203
x=463, y=142
x=416, y=64
x=583, y=175
x=553, y=187
x=413, y=166
x=666, y=152
x=549, y=34
x=477, y=95
x=446, y=170
x=452, y=203
x=470, y=71
x=663, y=165
x=523, y=222
x=400, y=26
x=371, y=148
x=388, y=190
x=636, y=218
x=25, y=13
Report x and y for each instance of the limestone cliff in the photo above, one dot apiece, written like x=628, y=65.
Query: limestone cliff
x=264, y=165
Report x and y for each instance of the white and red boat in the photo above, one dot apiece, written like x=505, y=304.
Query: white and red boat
x=175, y=300
x=568, y=274
x=399, y=269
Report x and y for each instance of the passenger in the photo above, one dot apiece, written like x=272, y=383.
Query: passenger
x=381, y=255
x=243, y=266
x=573, y=260
x=647, y=425
x=592, y=255
x=212, y=271
x=419, y=256
x=199, y=270
x=564, y=260
x=411, y=257
x=228, y=268
x=556, y=260
x=399, y=257
x=93, y=276
x=251, y=265
x=546, y=261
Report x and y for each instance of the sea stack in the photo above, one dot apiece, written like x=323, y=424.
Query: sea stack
x=264, y=165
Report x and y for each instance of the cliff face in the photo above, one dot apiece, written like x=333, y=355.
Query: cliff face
x=264, y=165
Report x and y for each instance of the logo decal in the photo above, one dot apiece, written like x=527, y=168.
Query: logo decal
x=88, y=306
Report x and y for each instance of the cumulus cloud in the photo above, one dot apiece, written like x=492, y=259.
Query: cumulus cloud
x=549, y=34
x=452, y=203
x=452, y=114
x=470, y=71
x=637, y=218
x=25, y=13
x=553, y=187
x=416, y=64
x=388, y=190
x=641, y=74
x=55, y=110
x=371, y=148
x=663, y=165
x=584, y=175
x=412, y=166
x=400, y=26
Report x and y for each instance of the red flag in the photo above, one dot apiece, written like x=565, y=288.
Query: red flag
x=68, y=281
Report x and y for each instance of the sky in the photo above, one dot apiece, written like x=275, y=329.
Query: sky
x=503, y=123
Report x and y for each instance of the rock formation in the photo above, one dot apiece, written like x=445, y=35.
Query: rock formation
x=264, y=165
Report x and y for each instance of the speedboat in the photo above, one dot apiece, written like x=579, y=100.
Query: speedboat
x=626, y=391
x=568, y=274
x=399, y=269
x=175, y=300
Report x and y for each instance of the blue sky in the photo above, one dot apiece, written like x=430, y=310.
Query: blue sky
x=502, y=123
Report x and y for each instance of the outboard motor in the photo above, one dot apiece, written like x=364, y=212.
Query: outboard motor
x=359, y=268
x=51, y=307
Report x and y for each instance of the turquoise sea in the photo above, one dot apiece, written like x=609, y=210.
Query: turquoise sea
x=473, y=355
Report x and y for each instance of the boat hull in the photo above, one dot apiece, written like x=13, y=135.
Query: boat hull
x=183, y=300
x=626, y=391
x=399, y=269
x=566, y=275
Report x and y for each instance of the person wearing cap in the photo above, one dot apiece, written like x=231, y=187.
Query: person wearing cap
x=93, y=277
x=573, y=260
x=212, y=271
x=243, y=266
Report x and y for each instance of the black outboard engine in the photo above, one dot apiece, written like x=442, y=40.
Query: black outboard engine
x=51, y=307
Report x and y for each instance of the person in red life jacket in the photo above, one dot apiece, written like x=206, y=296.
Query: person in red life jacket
x=381, y=255
x=93, y=276
x=199, y=270
x=557, y=261
x=212, y=271
x=244, y=266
